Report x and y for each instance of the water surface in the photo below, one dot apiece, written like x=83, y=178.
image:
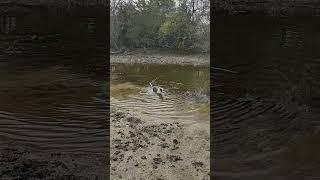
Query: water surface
x=53, y=82
x=186, y=90
x=266, y=116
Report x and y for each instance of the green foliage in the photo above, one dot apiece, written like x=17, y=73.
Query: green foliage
x=156, y=23
x=177, y=32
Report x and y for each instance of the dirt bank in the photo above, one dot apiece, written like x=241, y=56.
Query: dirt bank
x=144, y=148
x=17, y=162
x=158, y=58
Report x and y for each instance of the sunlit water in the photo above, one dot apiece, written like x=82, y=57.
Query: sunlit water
x=267, y=115
x=186, y=91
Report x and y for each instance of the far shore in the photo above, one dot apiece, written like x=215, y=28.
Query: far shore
x=157, y=57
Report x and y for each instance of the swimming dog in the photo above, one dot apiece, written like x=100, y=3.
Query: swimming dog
x=156, y=89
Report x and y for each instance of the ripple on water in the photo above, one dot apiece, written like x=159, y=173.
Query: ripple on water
x=53, y=109
x=70, y=129
x=146, y=102
x=252, y=132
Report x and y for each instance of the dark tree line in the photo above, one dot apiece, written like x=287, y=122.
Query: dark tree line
x=169, y=24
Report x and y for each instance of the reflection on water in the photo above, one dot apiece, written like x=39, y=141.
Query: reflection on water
x=52, y=82
x=266, y=116
x=186, y=90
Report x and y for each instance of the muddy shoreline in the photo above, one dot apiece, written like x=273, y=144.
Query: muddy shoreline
x=144, y=148
x=18, y=162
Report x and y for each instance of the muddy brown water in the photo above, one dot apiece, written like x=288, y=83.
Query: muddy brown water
x=186, y=90
x=53, y=83
x=266, y=116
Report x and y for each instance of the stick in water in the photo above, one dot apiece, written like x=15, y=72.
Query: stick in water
x=152, y=81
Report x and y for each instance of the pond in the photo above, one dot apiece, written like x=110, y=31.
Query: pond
x=186, y=90
x=266, y=114
x=53, y=83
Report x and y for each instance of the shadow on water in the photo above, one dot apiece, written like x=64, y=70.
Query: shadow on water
x=266, y=117
x=52, y=81
x=186, y=90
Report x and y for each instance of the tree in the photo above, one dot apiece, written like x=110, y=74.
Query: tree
x=160, y=24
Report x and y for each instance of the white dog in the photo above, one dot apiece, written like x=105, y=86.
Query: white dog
x=156, y=89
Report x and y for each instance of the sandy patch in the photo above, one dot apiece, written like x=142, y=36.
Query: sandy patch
x=144, y=148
